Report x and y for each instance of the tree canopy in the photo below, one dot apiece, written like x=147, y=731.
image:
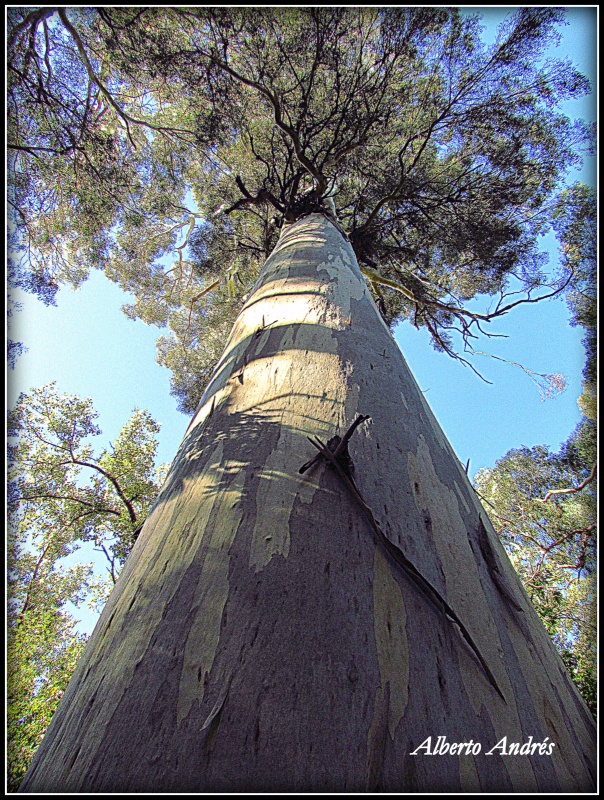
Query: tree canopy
x=141, y=134
x=575, y=221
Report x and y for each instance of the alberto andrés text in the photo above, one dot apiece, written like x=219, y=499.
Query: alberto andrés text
x=503, y=748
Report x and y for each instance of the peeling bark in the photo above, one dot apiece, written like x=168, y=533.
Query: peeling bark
x=258, y=640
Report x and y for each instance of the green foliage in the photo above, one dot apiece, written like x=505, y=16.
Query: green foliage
x=60, y=495
x=140, y=136
x=575, y=223
x=53, y=453
x=551, y=540
x=14, y=349
x=42, y=653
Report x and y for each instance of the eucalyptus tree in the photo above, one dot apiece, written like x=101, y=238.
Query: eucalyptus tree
x=60, y=496
x=56, y=482
x=287, y=621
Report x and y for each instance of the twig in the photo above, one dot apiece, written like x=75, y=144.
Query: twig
x=423, y=585
x=343, y=442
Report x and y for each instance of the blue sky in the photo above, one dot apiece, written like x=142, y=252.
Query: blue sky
x=91, y=349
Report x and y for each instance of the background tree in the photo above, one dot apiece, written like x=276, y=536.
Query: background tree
x=60, y=495
x=575, y=222
x=552, y=543
x=43, y=646
x=543, y=504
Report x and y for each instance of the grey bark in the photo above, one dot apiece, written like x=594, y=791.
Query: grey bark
x=259, y=637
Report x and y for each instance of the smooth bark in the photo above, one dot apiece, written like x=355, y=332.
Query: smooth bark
x=259, y=637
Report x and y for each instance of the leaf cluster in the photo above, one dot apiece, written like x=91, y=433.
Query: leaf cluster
x=41, y=656
x=60, y=491
x=575, y=222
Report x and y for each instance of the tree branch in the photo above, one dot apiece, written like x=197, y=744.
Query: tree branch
x=574, y=490
x=278, y=116
x=397, y=555
x=33, y=18
x=106, y=93
x=110, y=478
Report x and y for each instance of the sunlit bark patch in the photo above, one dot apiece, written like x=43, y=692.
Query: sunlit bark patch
x=389, y=621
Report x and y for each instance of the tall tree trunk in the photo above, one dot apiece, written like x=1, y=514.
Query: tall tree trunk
x=265, y=636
